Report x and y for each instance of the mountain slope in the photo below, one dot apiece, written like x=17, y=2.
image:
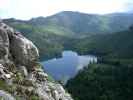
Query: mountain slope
x=87, y=23
x=111, y=78
x=55, y=31
x=69, y=23
x=102, y=82
x=116, y=45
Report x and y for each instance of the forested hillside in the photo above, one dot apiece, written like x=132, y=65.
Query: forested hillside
x=112, y=77
x=103, y=82
x=72, y=30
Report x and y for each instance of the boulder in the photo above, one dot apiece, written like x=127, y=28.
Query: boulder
x=23, y=70
x=24, y=52
x=13, y=43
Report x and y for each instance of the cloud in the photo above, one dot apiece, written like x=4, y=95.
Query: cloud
x=25, y=9
x=4, y=3
x=129, y=6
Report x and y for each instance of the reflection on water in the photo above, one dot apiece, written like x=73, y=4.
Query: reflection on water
x=67, y=66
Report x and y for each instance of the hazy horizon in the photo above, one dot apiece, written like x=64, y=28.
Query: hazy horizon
x=27, y=9
x=61, y=12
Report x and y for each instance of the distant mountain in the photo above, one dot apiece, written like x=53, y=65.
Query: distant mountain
x=74, y=23
x=51, y=33
x=81, y=23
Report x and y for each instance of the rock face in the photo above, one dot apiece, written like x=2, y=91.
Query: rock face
x=4, y=44
x=23, y=51
x=21, y=76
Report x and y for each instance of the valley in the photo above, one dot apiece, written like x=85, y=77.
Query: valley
x=64, y=30
x=109, y=37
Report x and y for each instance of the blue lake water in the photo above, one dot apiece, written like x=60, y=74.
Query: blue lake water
x=68, y=65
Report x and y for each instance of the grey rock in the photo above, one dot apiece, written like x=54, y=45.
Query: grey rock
x=52, y=91
x=0, y=20
x=23, y=50
x=4, y=46
x=41, y=76
x=4, y=74
x=23, y=70
x=6, y=96
x=18, y=50
x=55, y=95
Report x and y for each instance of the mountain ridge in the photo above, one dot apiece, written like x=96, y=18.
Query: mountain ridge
x=69, y=20
x=53, y=31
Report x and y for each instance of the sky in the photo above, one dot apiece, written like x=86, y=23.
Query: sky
x=26, y=9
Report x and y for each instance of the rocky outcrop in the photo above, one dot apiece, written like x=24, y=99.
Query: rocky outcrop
x=21, y=75
x=23, y=51
x=5, y=96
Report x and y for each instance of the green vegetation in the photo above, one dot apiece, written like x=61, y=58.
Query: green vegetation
x=103, y=82
x=62, y=31
x=112, y=77
x=4, y=86
x=117, y=45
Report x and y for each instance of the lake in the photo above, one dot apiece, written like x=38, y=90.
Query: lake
x=68, y=65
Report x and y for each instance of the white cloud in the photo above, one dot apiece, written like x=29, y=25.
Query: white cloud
x=25, y=9
x=129, y=6
x=4, y=3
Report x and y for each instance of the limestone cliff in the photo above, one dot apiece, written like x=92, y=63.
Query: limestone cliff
x=21, y=75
